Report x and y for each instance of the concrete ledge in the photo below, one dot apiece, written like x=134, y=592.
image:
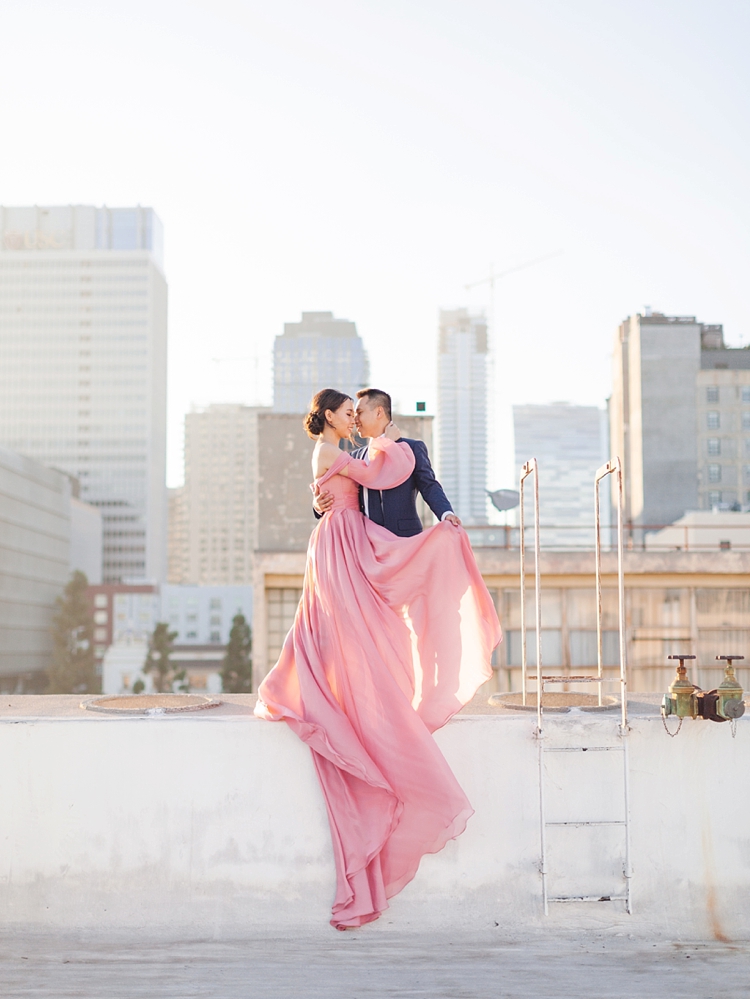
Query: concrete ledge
x=213, y=826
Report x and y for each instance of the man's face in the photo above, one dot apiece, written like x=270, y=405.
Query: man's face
x=368, y=418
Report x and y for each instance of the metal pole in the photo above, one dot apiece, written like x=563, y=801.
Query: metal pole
x=613, y=467
x=538, y=598
x=542, y=823
x=531, y=468
x=617, y=469
x=522, y=547
x=597, y=531
x=628, y=872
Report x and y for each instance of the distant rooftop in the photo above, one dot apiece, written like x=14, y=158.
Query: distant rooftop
x=81, y=227
x=714, y=352
x=321, y=324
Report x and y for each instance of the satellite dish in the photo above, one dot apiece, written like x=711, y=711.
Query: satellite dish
x=504, y=499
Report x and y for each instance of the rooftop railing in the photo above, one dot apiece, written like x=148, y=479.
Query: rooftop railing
x=637, y=537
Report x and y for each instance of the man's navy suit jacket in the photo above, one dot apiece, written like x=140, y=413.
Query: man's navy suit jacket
x=396, y=509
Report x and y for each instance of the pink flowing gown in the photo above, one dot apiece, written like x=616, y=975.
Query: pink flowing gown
x=392, y=636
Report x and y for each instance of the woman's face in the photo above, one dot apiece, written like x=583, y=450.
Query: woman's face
x=342, y=420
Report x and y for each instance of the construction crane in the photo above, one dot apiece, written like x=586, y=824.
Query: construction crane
x=493, y=277
x=493, y=407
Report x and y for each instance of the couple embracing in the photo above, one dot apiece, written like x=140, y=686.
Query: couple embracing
x=393, y=635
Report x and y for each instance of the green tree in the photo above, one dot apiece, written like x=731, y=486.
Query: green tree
x=73, y=668
x=159, y=663
x=237, y=672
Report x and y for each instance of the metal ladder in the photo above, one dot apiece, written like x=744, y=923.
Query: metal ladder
x=613, y=467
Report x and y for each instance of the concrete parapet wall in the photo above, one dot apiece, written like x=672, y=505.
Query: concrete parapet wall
x=213, y=826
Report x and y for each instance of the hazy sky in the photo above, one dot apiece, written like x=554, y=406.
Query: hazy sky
x=373, y=157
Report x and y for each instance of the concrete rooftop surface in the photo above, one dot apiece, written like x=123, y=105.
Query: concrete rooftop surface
x=375, y=963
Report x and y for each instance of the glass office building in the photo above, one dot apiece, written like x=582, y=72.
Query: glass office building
x=83, y=365
x=462, y=413
x=317, y=352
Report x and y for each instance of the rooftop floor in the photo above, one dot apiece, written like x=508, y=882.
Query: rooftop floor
x=375, y=963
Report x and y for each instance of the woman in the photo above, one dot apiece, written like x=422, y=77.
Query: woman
x=392, y=636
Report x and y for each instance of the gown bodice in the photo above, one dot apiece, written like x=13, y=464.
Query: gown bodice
x=389, y=463
x=345, y=491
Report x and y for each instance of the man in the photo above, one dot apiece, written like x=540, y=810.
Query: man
x=394, y=509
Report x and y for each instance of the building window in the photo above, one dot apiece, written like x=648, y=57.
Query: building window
x=216, y=619
x=746, y=473
x=194, y=634
x=712, y=420
x=746, y=421
x=282, y=606
x=746, y=393
x=714, y=445
x=714, y=473
x=215, y=636
x=100, y=600
x=215, y=603
x=714, y=497
x=712, y=393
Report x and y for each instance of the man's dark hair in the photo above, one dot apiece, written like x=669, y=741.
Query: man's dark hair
x=377, y=397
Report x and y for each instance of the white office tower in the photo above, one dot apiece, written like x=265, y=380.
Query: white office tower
x=83, y=365
x=680, y=417
x=570, y=444
x=218, y=505
x=318, y=352
x=462, y=413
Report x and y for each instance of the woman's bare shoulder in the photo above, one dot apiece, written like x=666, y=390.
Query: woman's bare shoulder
x=323, y=457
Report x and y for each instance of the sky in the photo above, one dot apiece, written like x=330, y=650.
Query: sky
x=372, y=158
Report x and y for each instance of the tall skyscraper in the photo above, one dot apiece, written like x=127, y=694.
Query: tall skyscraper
x=570, y=443
x=462, y=413
x=318, y=352
x=218, y=503
x=679, y=417
x=83, y=364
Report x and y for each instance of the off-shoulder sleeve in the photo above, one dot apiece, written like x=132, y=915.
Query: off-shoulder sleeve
x=391, y=463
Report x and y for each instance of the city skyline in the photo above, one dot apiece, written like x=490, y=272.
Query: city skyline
x=388, y=156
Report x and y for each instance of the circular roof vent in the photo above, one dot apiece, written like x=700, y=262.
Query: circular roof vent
x=150, y=704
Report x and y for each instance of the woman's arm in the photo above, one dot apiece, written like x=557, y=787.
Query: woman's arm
x=390, y=464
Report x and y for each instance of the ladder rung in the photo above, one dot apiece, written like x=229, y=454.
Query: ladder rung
x=584, y=749
x=604, y=822
x=573, y=679
x=588, y=898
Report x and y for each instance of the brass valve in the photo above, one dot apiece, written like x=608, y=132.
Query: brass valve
x=685, y=700
x=680, y=700
x=730, y=702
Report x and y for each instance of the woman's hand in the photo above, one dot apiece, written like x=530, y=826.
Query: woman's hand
x=392, y=432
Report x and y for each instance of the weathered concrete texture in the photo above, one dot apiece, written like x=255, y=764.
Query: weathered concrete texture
x=363, y=964
x=213, y=826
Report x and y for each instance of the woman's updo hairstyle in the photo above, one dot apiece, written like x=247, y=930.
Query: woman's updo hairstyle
x=327, y=398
